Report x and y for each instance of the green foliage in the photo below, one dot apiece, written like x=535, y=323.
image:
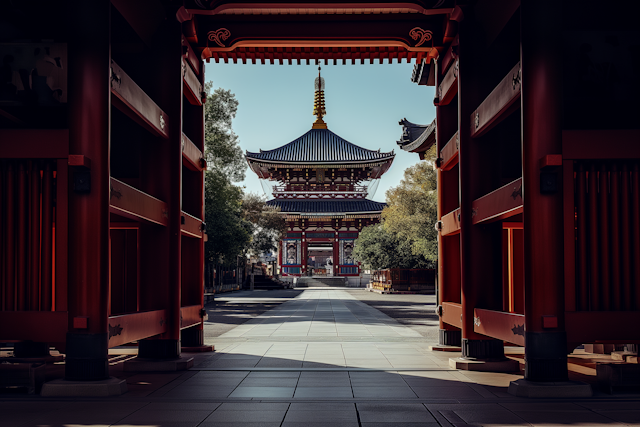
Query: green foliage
x=266, y=223
x=412, y=211
x=406, y=237
x=229, y=233
x=237, y=223
x=223, y=152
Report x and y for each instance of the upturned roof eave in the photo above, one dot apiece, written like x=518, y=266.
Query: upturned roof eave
x=337, y=162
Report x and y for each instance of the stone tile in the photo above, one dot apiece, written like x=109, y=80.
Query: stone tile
x=254, y=406
x=324, y=416
x=400, y=424
x=559, y=418
x=263, y=392
x=323, y=392
x=158, y=416
x=446, y=393
x=269, y=382
x=626, y=417
x=491, y=417
x=321, y=406
x=246, y=416
x=383, y=392
x=393, y=413
x=320, y=424
x=239, y=424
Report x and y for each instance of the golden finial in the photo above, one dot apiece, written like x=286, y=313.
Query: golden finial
x=318, y=104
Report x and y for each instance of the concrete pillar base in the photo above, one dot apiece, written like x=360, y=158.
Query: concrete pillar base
x=150, y=365
x=526, y=388
x=484, y=365
x=444, y=348
x=109, y=387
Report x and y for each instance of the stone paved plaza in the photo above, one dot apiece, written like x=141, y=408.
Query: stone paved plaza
x=317, y=357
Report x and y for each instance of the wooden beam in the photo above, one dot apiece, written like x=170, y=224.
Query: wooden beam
x=191, y=226
x=452, y=314
x=39, y=326
x=449, y=153
x=191, y=57
x=449, y=86
x=601, y=144
x=593, y=326
x=190, y=316
x=498, y=105
x=30, y=143
x=133, y=203
x=451, y=223
x=192, y=87
x=129, y=98
x=500, y=325
x=136, y=326
x=192, y=157
x=502, y=203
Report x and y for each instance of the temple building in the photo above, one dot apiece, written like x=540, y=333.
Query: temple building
x=321, y=186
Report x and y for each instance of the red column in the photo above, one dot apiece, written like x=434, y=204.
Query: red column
x=480, y=246
x=448, y=247
x=194, y=120
x=545, y=351
x=89, y=135
x=168, y=177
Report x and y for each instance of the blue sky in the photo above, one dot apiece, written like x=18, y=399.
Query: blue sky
x=364, y=104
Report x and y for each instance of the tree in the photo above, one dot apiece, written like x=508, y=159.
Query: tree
x=266, y=223
x=406, y=237
x=222, y=148
x=229, y=233
x=412, y=211
x=237, y=223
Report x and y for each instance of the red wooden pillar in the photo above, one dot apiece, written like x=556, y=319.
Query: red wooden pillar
x=336, y=255
x=448, y=248
x=480, y=245
x=167, y=295
x=545, y=338
x=89, y=135
x=193, y=337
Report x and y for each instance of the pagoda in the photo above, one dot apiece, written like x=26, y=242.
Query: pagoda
x=321, y=187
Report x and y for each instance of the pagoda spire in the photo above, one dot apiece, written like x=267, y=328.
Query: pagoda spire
x=318, y=104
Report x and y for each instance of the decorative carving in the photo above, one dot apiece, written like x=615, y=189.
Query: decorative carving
x=477, y=121
x=476, y=321
x=517, y=191
x=518, y=330
x=114, y=330
x=420, y=35
x=456, y=69
x=161, y=321
x=115, y=193
x=161, y=122
x=457, y=140
x=474, y=212
x=516, y=79
x=115, y=79
x=219, y=36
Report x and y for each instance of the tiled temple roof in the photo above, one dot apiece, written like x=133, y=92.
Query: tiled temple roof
x=417, y=138
x=319, y=146
x=326, y=206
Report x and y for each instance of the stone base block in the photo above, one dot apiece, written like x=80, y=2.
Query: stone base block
x=155, y=365
x=622, y=355
x=60, y=388
x=466, y=364
x=444, y=348
x=198, y=349
x=525, y=388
